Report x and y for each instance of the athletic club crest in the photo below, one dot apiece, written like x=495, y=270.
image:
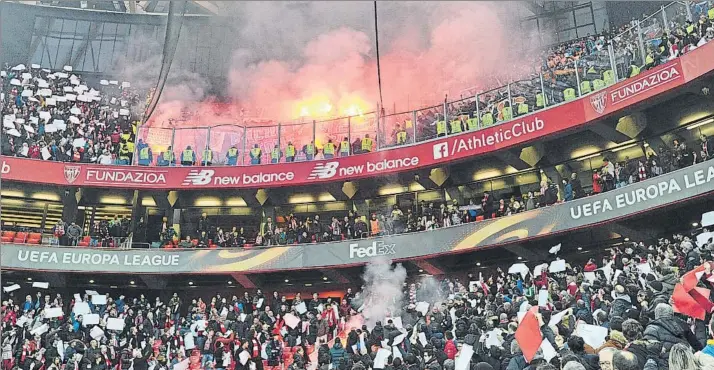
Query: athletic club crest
x=71, y=173
x=599, y=102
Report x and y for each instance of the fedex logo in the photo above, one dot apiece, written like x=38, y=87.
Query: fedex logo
x=441, y=150
x=378, y=248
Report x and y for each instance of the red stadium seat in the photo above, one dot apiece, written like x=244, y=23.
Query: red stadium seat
x=479, y=218
x=34, y=238
x=20, y=237
x=247, y=246
x=8, y=236
x=85, y=241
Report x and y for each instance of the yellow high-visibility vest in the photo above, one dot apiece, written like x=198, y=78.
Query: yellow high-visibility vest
x=232, y=152
x=472, y=123
x=290, y=151
x=124, y=151
x=366, y=144
x=329, y=148
x=310, y=149
x=345, y=147
x=255, y=153
x=635, y=71
x=690, y=29
x=144, y=153
x=188, y=155
x=401, y=137
x=168, y=156
x=208, y=155
x=440, y=127
x=455, y=126
x=275, y=154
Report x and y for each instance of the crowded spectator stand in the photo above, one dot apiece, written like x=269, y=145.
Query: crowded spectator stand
x=646, y=303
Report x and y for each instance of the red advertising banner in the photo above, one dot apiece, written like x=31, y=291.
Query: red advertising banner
x=423, y=155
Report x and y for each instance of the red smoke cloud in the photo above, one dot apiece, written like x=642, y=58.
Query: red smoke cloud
x=465, y=45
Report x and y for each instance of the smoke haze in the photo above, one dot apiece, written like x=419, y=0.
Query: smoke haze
x=382, y=292
x=318, y=58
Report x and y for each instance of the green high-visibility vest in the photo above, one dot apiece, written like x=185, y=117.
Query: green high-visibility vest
x=366, y=144
x=329, y=148
x=456, y=127
x=441, y=127
x=649, y=59
x=124, y=152
x=290, y=151
x=168, y=156
x=188, y=155
x=310, y=149
x=522, y=108
x=232, y=152
x=710, y=12
x=255, y=153
x=345, y=147
x=690, y=29
x=207, y=155
x=275, y=154
x=144, y=153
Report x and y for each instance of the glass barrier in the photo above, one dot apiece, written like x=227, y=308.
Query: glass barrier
x=158, y=139
x=700, y=8
x=335, y=129
x=300, y=135
x=594, y=71
x=227, y=144
x=627, y=51
x=197, y=140
x=494, y=106
x=360, y=127
x=397, y=129
x=527, y=96
x=652, y=30
x=259, y=142
x=459, y=115
x=676, y=14
x=427, y=120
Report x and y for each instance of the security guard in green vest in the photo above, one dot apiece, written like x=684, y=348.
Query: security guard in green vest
x=456, y=126
x=345, y=147
x=401, y=135
x=145, y=154
x=275, y=154
x=309, y=151
x=188, y=157
x=440, y=128
x=232, y=156
x=166, y=158
x=290, y=152
x=255, y=154
x=207, y=157
x=125, y=153
x=366, y=144
x=328, y=151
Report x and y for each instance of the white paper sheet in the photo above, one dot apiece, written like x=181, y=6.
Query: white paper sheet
x=301, y=308
x=99, y=299
x=380, y=360
x=90, y=319
x=188, y=342
x=11, y=288
x=542, y=297
x=81, y=308
x=422, y=307
x=557, y=318
x=40, y=329
x=557, y=266
x=41, y=285
x=96, y=333
x=548, y=351
x=707, y=219
x=53, y=312
x=591, y=334
x=291, y=320
x=703, y=238
x=114, y=323
x=244, y=356
x=463, y=360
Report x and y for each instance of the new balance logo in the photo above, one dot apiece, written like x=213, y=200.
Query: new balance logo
x=196, y=177
x=441, y=150
x=324, y=170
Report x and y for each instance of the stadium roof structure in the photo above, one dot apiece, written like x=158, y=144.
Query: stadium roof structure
x=133, y=7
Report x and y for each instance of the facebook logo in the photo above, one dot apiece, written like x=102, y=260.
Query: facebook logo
x=441, y=150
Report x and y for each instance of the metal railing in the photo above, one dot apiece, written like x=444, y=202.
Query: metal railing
x=604, y=63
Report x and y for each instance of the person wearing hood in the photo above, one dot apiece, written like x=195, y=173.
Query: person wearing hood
x=669, y=330
x=105, y=158
x=338, y=355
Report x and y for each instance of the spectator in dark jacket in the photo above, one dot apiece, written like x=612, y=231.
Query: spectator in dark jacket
x=670, y=330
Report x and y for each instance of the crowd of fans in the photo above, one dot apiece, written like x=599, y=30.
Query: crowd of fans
x=619, y=311
x=58, y=116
